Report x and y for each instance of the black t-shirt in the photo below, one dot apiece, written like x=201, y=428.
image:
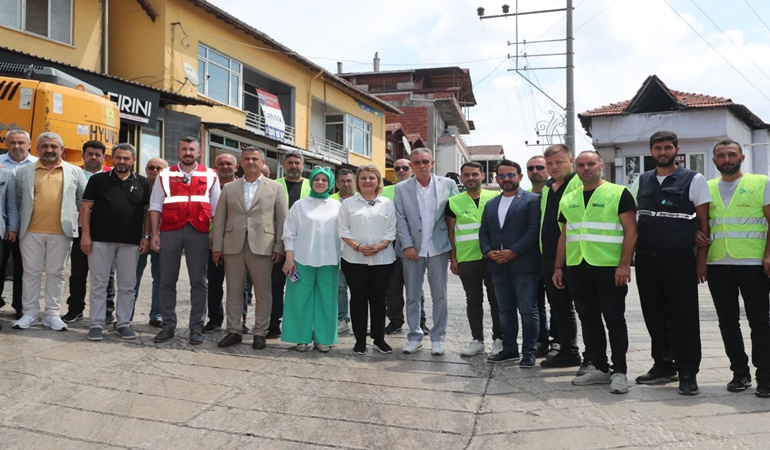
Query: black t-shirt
x=626, y=203
x=117, y=214
x=551, y=230
x=449, y=213
x=295, y=190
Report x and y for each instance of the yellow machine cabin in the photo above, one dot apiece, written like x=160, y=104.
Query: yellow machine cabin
x=39, y=99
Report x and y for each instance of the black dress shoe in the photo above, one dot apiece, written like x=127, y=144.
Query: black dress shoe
x=157, y=323
x=657, y=376
x=688, y=385
x=259, y=343
x=273, y=334
x=230, y=339
x=393, y=328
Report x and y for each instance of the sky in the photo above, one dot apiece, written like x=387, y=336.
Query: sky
x=712, y=47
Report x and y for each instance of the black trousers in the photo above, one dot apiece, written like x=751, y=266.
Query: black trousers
x=668, y=292
x=474, y=277
x=78, y=277
x=594, y=290
x=394, y=297
x=278, y=281
x=542, y=313
x=367, y=286
x=562, y=310
x=216, y=292
x=725, y=281
x=12, y=250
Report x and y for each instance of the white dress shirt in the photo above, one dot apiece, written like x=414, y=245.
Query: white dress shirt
x=250, y=191
x=367, y=224
x=310, y=231
x=426, y=199
x=9, y=163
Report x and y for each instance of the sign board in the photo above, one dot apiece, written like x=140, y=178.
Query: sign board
x=275, y=127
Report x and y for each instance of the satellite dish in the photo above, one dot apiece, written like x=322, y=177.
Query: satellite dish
x=191, y=74
x=407, y=146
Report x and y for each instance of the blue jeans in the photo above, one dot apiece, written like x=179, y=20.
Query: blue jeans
x=517, y=292
x=155, y=271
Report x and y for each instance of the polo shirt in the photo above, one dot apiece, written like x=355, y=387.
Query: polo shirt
x=117, y=213
x=47, y=202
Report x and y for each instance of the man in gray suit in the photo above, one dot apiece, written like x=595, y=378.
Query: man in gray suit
x=508, y=239
x=48, y=193
x=424, y=244
x=9, y=214
x=248, y=225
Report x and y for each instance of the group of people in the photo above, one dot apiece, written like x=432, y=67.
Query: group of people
x=572, y=239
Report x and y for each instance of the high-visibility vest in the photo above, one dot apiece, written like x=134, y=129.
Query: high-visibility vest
x=467, y=223
x=574, y=183
x=304, y=189
x=187, y=198
x=594, y=232
x=741, y=229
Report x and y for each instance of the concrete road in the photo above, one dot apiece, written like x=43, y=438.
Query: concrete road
x=58, y=390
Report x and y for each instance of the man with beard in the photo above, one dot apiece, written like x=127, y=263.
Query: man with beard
x=463, y=218
x=739, y=260
x=48, y=193
x=93, y=163
x=394, y=297
x=673, y=204
x=345, y=189
x=296, y=187
x=112, y=217
x=18, y=144
x=508, y=239
x=182, y=202
x=594, y=255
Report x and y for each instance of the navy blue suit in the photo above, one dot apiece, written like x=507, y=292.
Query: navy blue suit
x=515, y=281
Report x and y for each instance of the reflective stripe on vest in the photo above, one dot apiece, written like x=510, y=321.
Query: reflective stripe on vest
x=574, y=183
x=467, y=223
x=184, y=202
x=594, y=234
x=741, y=229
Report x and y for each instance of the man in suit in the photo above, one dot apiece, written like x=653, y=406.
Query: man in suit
x=424, y=244
x=9, y=214
x=18, y=143
x=48, y=193
x=508, y=239
x=247, y=227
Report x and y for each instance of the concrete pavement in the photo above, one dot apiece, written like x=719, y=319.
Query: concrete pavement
x=59, y=390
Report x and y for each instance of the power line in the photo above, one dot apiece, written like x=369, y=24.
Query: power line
x=755, y=13
x=731, y=41
x=717, y=51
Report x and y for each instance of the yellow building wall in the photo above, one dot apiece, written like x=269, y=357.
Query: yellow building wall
x=181, y=26
x=86, y=49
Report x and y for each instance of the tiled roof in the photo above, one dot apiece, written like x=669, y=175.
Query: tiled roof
x=687, y=99
x=391, y=127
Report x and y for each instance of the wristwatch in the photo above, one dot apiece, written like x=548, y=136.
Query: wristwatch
x=147, y=236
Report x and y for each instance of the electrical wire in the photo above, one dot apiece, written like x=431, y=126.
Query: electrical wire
x=755, y=13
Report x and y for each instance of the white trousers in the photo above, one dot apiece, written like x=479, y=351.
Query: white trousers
x=41, y=252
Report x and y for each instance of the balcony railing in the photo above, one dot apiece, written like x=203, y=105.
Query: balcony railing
x=256, y=123
x=325, y=147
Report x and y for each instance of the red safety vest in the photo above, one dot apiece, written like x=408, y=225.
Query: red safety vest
x=187, y=198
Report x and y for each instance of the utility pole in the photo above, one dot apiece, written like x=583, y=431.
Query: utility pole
x=569, y=110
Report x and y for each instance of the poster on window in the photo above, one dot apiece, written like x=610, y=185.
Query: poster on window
x=271, y=110
x=633, y=168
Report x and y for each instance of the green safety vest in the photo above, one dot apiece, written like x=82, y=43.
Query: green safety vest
x=741, y=229
x=304, y=189
x=594, y=234
x=574, y=183
x=388, y=191
x=467, y=223
x=336, y=196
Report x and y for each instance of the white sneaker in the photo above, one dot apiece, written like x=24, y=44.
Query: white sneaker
x=55, y=323
x=619, y=383
x=497, y=347
x=412, y=347
x=437, y=348
x=25, y=322
x=473, y=349
x=343, y=326
x=594, y=376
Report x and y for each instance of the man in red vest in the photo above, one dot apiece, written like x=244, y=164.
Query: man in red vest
x=182, y=203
